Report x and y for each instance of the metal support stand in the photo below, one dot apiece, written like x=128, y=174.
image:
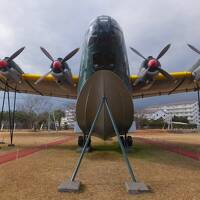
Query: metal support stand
x=198, y=125
x=11, y=116
x=132, y=186
x=12, y=121
x=2, y=108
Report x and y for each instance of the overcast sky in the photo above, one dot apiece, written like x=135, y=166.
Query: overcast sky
x=60, y=26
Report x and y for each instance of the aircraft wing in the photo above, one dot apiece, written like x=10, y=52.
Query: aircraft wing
x=47, y=87
x=184, y=82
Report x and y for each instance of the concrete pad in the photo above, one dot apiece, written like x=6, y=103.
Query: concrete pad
x=69, y=186
x=136, y=188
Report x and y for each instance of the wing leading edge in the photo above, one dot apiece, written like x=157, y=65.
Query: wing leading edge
x=184, y=82
x=48, y=87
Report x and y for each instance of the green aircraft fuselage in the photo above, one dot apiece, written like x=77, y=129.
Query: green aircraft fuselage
x=104, y=49
x=104, y=72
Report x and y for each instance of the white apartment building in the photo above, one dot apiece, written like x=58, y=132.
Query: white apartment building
x=70, y=117
x=153, y=113
x=187, y=109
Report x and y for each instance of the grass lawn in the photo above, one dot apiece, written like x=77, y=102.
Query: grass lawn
x=103, y=172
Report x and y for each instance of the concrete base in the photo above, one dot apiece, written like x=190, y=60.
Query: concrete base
x=136, y=188
x=69, y=186
x=11, y=145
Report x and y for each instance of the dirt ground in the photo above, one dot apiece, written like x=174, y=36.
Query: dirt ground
x=102, y=172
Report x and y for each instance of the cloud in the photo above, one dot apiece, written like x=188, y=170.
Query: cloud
x=59, y=26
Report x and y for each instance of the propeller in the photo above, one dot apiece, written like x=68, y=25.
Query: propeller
x=4, y=63
x=194, y=80
x=137, y=52
x=153, y=64
x=56, y=65
x=193, y=48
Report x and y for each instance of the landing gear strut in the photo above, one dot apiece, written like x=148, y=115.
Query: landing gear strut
x=127, y=141
x=81, y=142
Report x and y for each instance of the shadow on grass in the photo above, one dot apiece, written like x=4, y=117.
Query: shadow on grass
x=112, y=151
x=146, y=152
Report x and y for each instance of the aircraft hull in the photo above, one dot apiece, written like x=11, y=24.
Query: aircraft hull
x=104, y=83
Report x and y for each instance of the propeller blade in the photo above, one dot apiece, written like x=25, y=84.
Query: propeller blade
x=136, y=81
x=67, y=57
x=163, y=51
x=42, y=77
x=166, y=74
x=47, y=54
x=137, y=52
x=14, y=55
x=141, y=76
x=194, y=49
x=144, y=72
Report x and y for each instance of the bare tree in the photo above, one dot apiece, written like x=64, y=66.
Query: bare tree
x=34, y=106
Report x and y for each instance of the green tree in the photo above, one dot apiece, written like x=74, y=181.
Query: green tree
x=58, y=116
x=180, y=119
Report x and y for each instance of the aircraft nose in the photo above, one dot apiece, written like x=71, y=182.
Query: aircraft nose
x=104, y=23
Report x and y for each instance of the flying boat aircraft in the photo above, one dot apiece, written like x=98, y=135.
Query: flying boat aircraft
x=104, y=74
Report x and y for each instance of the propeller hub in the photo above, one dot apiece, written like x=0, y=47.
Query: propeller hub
x=57, y=64
x=3, y=64
x=153, y=63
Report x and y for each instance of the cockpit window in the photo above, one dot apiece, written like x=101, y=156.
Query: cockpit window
x=92, y=40
x=103, y=60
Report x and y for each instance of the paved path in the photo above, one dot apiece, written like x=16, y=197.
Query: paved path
x=27, y=152
x=172, y=148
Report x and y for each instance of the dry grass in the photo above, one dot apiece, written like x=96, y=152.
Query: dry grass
x=189, y=141
x=102, y=172
x=29, y=139
x=190, y=138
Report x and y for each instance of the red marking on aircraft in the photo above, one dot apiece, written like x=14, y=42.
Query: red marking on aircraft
x=152, y=63
x=3, y=64
x=57, y=64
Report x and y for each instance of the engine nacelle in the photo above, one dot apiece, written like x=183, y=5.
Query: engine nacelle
x=63, y=78
x=154, y=73
x=12, y=73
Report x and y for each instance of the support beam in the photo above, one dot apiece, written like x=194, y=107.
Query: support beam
x=72, y=185
x=198, y=126
x=2, y=109
x=132, y=187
